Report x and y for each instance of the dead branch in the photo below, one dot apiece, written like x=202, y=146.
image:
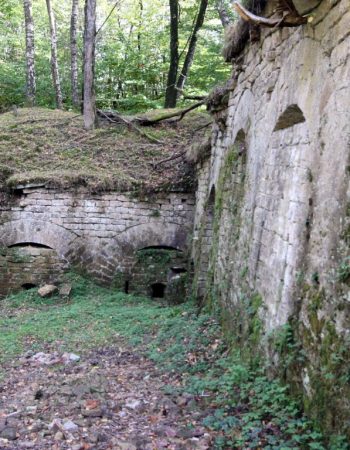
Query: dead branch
x=289, y=17
x=171, y=158
x=190, y=108
x=144, y=121
x=129, y=124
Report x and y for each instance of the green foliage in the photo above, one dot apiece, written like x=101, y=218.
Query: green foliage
x=343, y=274
x=247, y=409
x=284, y=342
x=132, y=53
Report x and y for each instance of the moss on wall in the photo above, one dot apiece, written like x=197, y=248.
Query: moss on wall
x=157, y=265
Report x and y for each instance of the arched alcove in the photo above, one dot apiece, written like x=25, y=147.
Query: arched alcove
x=29, y=244
x=38, y=233
x=206, y=239
x=291, y=116
x=233, y=175
x=283, y=216
x=25, y=265
x=167, y=235
x=153, y=267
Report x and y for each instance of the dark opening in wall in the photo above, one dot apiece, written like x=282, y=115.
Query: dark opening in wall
x=27, y=286
x=159, y=247
x=29, y=244
x=290, y=117
x=158, y=290
x=126, y=287
x=176, y=270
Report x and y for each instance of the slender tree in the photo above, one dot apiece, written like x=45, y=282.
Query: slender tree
x=171, y=92
x=89, y=64
x=139, y=37
x=223, y=14
x=74, y=53
x=30, y=66
x=54, y=62
x=175, y=83
x=192, y=46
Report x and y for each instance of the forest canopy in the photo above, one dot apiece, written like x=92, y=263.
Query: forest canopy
x=132, y=51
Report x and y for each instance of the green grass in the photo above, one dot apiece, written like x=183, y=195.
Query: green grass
x=93, y=318
x=245, y=409
x=38, y=145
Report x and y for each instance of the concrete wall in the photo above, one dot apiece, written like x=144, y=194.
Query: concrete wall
x=98, y=233
x=280, y=168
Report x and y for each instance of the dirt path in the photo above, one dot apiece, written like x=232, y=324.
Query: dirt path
x=108, y=399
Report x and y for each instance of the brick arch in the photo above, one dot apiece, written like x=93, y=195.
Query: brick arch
x=38, y=232
x=153, y=234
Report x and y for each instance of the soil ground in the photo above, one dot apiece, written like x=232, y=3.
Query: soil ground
x=112, y=398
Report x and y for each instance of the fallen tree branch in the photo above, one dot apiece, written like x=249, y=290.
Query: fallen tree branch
x=129, y=124
x=144, y=121
x=190, y=108
x=171, y=158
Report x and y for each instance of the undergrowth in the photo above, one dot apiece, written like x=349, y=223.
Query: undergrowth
x=243, y=408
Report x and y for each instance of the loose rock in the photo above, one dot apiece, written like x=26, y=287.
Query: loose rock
x=47, y=290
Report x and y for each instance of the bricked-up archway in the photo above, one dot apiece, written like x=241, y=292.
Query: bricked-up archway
x=154, y=234
x=139, y=247
x=63, y=241
x=33, y=253
x=154, y=267
x=27, y=265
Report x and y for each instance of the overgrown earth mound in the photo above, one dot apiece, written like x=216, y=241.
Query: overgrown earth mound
x=51, y=147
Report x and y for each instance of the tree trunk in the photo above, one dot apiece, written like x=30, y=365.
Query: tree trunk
x=192, y=46
x=30, y=67
x=74, y=54
x=171, y=92
x=139, y=38
x=221, y=9
x=54, y=62
x=89, y=64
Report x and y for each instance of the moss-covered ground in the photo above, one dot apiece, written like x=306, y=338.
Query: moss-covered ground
x=241, y=408
x=39, y=145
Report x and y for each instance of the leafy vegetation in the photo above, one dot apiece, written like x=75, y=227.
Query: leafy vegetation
x=243, y=408
x=132, y=52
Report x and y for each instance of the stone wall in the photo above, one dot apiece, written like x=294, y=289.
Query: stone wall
x=26, y=266
x=99, y=234
x=280, y=165
x=155, y=270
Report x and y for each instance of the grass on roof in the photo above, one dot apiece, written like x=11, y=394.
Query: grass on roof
x=38, y=145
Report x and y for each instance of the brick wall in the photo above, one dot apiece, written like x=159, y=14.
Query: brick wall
x=98, y=233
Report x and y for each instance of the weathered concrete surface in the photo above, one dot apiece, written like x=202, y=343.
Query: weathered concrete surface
x=279, y=251
x=101, y=234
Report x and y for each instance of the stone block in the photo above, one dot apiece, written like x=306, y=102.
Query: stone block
x=47, y=291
